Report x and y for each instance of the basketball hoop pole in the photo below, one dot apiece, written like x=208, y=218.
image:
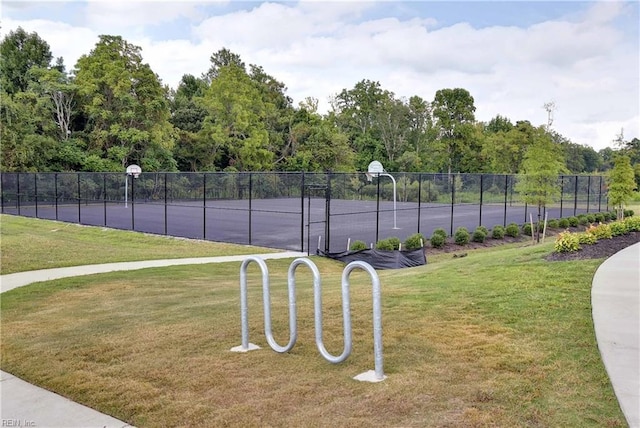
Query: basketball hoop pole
x=375, y=169
x=135, y=171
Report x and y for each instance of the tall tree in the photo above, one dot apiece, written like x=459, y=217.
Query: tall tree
x=235, y=124
x=188, y=116
x=126, y=106
x=621, y=183
x=539, y=184
x=19, y=52
x=454, y=116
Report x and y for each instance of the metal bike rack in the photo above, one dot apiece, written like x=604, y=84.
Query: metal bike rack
x=371, y=376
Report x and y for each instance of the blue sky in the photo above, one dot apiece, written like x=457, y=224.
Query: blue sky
x=512, y=56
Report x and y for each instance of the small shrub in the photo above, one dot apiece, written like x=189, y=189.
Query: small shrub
x=632, y=224
x=461, y=237
x=512, y=230
x=358, y=246
x=599, y=218
x=573, y=221
x=484, y=229
x=563, y=223
x=618, y=228
x=591, y=218
x=437, y=240
x=586, y=238
x=395, y=242
x=526, y=229
x=628, y=213
x=566, y=242
x=497, y=232
x=601, y=231
x=553, y=223
x=385, y=245
x=479, y=235
x=613, y=215
x=583, y=220
x=440, y=231
x=414, y=241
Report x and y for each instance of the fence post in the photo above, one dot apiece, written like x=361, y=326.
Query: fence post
x=575, y=197
x=165, y=203
x=104, y=197
x=204, y=205
x=327, y=231
x=419, y=199
x=600, y=196
x=250, y=207
x=588, y=192
x=561, y=193
x=18, y=192
x=35, y=191
x=506, y=198
x=481, y=194
x=302, y=212
x=79, y=200
x=452, y=180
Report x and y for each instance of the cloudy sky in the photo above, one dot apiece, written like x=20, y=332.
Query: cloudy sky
x=513, y=57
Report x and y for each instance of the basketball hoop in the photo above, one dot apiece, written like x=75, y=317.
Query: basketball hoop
x=134, y=170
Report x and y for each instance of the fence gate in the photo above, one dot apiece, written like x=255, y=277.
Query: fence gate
x=318, y=208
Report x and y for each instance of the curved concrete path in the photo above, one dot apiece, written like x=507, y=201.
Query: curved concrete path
x=25, y=405
x=615, y=301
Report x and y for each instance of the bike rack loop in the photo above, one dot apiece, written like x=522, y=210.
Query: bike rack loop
x=376, y=376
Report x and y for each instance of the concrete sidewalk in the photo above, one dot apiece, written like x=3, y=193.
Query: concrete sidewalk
x=615, y=300
x=25, y=405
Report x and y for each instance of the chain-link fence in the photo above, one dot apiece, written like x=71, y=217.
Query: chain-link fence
x=298, y=211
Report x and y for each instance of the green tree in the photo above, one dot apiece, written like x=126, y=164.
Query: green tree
x=187, y=116
x=621, y=183
x=453, y=113
x=126, y=107
x=234, y=130
x=543, y=163
x=19, y=52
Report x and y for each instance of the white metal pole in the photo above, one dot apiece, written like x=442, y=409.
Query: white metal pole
x=395, y=226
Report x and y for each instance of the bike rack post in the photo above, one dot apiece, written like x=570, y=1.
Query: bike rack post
x=376, y=375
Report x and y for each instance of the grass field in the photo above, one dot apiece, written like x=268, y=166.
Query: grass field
x=498, y=338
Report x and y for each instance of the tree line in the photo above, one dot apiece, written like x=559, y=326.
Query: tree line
x=112, y=110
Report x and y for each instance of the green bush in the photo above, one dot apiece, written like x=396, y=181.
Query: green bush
x=437, y=240
x=566, y=242
x=358, y=246
x=601, y=231
x=553, y=223
x=618, y=228
x=628, y=213
x=599, y=218
x=526, y=229
x=479, y=235
x=632, y=224
x=385, y=245
x=497, y=232
x=512, y=230
x=563, y=223
x=440, y=231
x=395, y=242
x=461, y=237
x=414, y=241
x=591, y=218
x=583, y=220
x=613, y=215
x=586, y=238
x=484, y=229
x=573, y=221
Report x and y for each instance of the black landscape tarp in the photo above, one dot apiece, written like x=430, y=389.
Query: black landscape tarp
x=379, y=259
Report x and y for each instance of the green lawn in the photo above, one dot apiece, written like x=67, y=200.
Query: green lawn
x=498, y=338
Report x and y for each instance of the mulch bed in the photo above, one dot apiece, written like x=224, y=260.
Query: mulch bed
x=602, y=249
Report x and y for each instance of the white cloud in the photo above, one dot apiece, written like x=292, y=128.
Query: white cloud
x=582, y=62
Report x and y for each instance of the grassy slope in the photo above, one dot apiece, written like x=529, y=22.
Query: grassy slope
x=500, y=337
x=29, y=244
